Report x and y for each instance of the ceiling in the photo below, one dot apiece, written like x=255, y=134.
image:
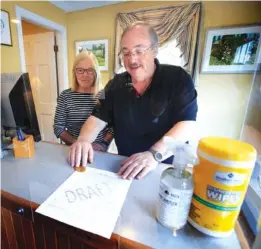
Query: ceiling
x=70, y=6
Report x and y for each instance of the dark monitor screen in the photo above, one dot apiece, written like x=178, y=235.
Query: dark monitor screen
x=17, y=104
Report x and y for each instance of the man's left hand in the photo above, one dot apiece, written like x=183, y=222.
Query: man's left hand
x=138, y=165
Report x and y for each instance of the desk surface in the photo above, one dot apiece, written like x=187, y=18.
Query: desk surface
x=35, y=179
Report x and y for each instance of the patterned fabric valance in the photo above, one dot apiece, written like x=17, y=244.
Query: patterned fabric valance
x=178, y=22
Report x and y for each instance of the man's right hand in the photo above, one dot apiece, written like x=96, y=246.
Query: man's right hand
x=80, y=152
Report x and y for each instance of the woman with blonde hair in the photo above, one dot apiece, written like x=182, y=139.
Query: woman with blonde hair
x=76, y=104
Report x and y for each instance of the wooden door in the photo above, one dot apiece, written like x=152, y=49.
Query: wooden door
x=40, y=63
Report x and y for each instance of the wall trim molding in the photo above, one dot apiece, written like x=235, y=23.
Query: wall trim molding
x=61, y=38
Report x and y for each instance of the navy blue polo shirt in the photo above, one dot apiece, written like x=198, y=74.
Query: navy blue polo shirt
x=140, y=121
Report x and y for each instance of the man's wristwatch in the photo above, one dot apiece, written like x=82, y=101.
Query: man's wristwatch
x=158, y=156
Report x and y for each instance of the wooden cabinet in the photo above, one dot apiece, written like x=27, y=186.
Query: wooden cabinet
x=23, y=228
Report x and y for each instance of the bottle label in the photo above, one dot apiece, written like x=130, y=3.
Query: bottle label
x=230, y=178
x=173, y=206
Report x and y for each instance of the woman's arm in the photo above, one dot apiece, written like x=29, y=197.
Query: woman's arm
x=104, y=145
x=66, y=137
x=60, y=121
x=109, y=135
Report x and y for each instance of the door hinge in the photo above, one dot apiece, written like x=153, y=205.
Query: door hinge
x=55, y=48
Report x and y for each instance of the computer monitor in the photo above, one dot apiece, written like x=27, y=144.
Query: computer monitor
x=17, y=104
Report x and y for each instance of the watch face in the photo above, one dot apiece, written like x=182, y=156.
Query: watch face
x=158, y=156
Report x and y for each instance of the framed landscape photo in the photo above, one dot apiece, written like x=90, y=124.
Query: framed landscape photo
x=99, y=49
x=232, y=50
x=6, y=38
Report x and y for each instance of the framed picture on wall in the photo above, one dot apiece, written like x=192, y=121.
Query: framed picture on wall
x=232, y=50
x=99, y=49
x=6, y=38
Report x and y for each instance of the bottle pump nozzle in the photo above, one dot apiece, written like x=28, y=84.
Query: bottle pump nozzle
x=183, y=153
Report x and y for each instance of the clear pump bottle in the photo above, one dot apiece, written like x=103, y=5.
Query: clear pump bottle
x=176, y=187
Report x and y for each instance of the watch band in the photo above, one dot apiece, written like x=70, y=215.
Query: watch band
x=157, y=155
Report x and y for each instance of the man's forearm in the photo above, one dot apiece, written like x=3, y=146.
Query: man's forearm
x=182, y=131
x=91, y=129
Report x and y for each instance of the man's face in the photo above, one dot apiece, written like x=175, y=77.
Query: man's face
x=137, y=53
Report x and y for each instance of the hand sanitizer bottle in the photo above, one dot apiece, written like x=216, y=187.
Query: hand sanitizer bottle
x=176, y=187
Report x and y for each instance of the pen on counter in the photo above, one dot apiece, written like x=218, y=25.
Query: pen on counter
x=20, y=135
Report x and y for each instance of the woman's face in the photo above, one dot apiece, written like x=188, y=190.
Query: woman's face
x=85, y=74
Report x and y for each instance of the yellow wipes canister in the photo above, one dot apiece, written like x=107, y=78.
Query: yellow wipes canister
x=221, y=180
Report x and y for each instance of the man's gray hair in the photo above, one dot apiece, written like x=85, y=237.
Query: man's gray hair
x=152, y=32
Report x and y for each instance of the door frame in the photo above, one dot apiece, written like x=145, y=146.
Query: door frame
x=61, y=39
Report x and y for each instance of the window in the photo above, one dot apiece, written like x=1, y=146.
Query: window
x=171, y=54
x=251, y=134
x=181, y=22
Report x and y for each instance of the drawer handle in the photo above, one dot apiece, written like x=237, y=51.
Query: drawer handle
x=20, y=211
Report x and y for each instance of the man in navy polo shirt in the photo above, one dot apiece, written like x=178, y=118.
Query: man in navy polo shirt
x=142, y=105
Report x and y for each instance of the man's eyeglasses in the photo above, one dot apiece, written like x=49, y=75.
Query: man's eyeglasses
x=138, y=52
x=89, y=71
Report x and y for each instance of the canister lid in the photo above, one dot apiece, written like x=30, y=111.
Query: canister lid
x=227, y=149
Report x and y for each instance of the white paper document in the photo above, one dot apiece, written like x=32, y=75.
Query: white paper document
x=90, y=200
